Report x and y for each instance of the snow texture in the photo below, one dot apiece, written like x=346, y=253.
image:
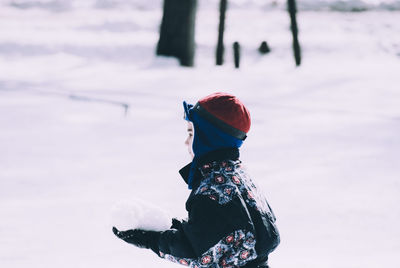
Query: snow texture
x=139, y=214
x=89, y=116
x=333, y=5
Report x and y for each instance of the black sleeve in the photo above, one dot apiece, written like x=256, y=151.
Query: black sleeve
x=175, y=242
x=209, y=224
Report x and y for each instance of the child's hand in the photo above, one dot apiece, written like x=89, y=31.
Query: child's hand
x=176, y=224
x=139, y=238
x=135, y=237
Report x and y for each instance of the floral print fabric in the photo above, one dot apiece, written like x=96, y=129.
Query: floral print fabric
x=232, y=251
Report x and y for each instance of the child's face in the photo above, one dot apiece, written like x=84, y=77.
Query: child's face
x=189, y=139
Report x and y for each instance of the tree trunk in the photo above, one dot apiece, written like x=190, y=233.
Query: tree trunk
x=236, y=54
x=296, y=45
x=177, y=31
x=221, y=28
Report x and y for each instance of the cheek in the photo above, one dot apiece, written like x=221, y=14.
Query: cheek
x=189, y=140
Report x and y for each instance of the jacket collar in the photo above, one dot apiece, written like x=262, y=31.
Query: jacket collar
x=217, y=155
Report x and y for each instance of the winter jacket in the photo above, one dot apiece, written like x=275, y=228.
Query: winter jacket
x=230, y=223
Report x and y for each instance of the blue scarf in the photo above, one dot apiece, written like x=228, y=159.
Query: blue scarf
x=207, y=138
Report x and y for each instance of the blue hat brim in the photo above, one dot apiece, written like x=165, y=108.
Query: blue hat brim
x=187, y=107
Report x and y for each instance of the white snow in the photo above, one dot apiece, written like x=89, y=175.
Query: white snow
x=333, y=5
x=89, y=116
x=139, y=214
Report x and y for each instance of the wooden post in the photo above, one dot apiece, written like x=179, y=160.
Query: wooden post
x=177, y=31
x=221, y=28
x=293, y=22
x=264, y=48
x=236, y=54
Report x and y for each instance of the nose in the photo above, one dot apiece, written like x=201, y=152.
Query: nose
x=187, y=141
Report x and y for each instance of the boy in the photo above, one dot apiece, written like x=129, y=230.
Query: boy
x=230, y=223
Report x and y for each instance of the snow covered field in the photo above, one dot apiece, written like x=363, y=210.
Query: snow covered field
x=88, y=117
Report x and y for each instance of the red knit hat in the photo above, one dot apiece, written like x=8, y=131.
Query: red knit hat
x=226, y=112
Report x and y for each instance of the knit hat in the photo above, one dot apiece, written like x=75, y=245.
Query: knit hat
x=225, y=112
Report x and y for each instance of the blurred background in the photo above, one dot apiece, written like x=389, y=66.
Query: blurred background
x=91, y=113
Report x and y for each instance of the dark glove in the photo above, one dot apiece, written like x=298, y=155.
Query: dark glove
x=176, y=224
x=140, y=238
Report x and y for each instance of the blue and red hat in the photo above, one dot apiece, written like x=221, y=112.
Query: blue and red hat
x=223, y=110
x=220, y=121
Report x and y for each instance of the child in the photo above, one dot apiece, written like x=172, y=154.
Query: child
x=230, y=223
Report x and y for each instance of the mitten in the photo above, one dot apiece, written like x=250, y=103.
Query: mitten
x=140, y=238
x=176, y=224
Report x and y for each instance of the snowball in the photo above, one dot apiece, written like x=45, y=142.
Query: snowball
x=139, y=214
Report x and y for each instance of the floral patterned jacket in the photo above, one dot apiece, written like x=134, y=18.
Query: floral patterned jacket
x=230, y=223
